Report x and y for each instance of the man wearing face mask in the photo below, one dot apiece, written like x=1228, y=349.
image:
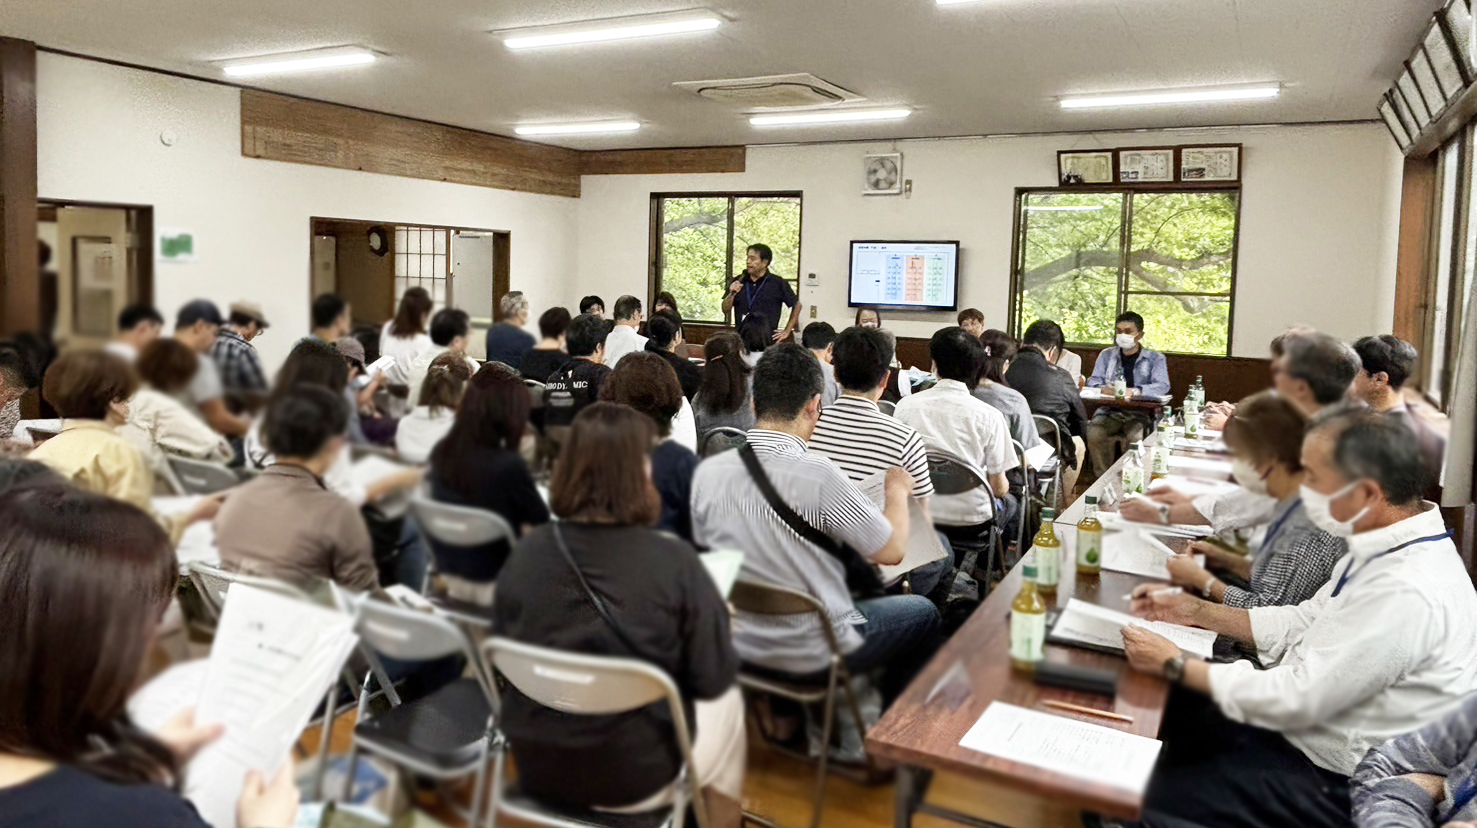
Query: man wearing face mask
x=1387, y=646
x=1146, y=374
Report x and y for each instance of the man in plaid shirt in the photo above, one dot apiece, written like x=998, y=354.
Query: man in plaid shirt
x=239, y=363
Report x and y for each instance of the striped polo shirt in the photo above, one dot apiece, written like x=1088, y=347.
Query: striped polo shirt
x=729, y=512
x=855, y=435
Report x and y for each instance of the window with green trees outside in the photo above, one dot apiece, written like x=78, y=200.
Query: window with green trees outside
x=1083, y=257
x=700, y=241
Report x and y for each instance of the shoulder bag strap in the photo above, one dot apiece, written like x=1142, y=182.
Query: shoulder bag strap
x=786, y=514
x=600, y=606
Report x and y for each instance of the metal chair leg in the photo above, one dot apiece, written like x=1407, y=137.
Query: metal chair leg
x=819, y=801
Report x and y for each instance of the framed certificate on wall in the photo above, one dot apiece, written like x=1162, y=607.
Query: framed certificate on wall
x=1145, y=164
x=1086, y=167
x=1210, y=163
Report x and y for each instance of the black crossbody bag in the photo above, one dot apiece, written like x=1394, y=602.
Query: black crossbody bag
x=861, y=577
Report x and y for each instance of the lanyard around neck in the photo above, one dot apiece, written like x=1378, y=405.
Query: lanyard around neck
x=1350, y=572
x=750, y=286
x=1277, y=527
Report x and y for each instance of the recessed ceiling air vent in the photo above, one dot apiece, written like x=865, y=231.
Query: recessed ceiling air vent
x=772, y=92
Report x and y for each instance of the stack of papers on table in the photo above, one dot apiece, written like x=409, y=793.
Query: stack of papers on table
x=1204, y=444
x=1101, y=628
x=1204, y=465
x=1116, y=522
x=1081, y=750
x=1193, y=486
x=1105, y=393
x=1138, y=554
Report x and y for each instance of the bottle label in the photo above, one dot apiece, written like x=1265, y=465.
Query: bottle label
x=1027, y=636
x=1048, y=565
x=1161, y=460
x=1089, y=548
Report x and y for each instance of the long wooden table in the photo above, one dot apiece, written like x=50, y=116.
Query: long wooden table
x=922, y=729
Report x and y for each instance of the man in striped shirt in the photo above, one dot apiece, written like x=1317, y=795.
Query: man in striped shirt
x=729, y=511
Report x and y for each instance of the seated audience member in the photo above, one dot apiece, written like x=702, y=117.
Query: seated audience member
x=724, y=399
x=896, y=634
x=665, y=301
x=646, y=383
x=1047, y=390
x=601, y=582
x=972, y=320
x=1112, y=430
x=91, y=390
x=593, y=305
x=1385, y=364
x=950, y=418
x=1424, y=778
x=507, y=342
x=286, y=523
x=1388, y=645
x=666, y=340
x=818, y=338
x=359, y=392
x=577, y=383
x=1070, y=364
x=1317, y=375
x=138, y=325
x=868, y=318
x=236, y=359
x=16, y=378
x=994, y=390
x=87, y=580
x=548, y=356
x=449, y=329
x=333, y=319
x=477, y=464
x=1215, y=415
x=862, y=441
x=623, y=338
x=1295, y=557
x=158, y=425
x=196, y=326
x=421, y=430
x=754, y=331
x=404, y=338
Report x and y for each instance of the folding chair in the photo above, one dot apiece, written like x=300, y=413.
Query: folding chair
x=887, y=407
x=721, y=439
x=1026, y=501
x=460, y=526
x=202, y=477
x=444, y=735
x=763, y=599
x=952, y=475
x=1047, y=426
x=585, y=685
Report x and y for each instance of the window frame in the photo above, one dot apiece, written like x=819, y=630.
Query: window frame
x=1017, y=251
x=654, y=263
x=1436, y=385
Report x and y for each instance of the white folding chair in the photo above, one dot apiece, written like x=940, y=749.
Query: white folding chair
x=887, y=407
x=953, y=475
x=584, y=685
x=460, y=526
x=1044, y=426
x=721, y=439
x=202, y=477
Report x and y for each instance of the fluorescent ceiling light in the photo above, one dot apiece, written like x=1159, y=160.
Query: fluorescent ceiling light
x=299, y=61
x=835, y=116
x=955, y=2
x=1174, y=96
x=619, y=28
x=578, y=129
x=1065, y=208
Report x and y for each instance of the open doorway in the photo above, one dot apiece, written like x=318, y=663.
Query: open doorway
x=372, y=263
x=101, y=261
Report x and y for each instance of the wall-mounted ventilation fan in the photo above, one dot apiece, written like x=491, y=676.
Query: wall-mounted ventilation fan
x=882, y=174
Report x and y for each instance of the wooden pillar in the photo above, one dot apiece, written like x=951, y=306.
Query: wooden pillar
x=20, y=287
x=1413, y=261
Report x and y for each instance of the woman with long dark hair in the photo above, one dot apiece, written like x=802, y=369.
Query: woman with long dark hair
x=87, y=580
x=478, y=464
x=725, y=396
x=405, y=336
x=1000, y=349
x=661, y=607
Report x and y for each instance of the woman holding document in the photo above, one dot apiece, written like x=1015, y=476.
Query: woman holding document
x=1265, y=436
x=87, y=580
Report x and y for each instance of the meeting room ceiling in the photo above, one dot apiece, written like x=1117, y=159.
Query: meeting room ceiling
x=989, y=67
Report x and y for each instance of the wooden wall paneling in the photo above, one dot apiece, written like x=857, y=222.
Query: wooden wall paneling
x=1412, y=264
x=281, y=128
x=660, y=161
x=20, y=280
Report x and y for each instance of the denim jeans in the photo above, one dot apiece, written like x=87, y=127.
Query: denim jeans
x=899, y=637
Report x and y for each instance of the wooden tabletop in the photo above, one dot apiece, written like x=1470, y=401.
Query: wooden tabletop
x=924, y=726
x=1147, y=404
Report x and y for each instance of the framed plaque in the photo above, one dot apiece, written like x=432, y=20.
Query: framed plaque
x=1210, y=163
x=1138, y=165
x=1086, y=167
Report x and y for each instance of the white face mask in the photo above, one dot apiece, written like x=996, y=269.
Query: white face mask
x=1248, y=477
x=1125, y=341
x=869, y=324
x=1317, y=505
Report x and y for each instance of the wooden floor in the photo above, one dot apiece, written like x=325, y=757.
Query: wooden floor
x=780, y=788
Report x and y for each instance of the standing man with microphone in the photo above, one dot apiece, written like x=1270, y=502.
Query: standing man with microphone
x=758, y=291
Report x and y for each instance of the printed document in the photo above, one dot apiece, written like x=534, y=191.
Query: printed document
x=1091, y=624
x=1199, y=464
x=1138, y=554
x=723, y=565
x=1090, y=752
x=924, y=546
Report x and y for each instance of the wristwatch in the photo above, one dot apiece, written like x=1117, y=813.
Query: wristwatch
x=1164, y=513
x=1174, y=669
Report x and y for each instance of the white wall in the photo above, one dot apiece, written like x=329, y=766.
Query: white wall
x=1318, y=235
x=99, y=132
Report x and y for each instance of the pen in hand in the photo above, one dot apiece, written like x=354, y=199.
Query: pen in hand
x=1155, y=594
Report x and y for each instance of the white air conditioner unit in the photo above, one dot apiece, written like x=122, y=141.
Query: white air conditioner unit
x=772, y=92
